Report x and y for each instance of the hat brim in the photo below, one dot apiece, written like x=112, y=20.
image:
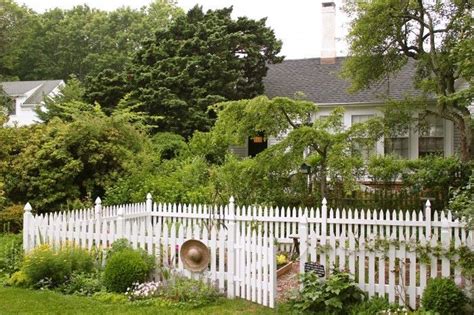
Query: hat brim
x=188, y=262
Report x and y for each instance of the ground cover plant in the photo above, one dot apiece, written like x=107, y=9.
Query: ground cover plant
x=336, y=295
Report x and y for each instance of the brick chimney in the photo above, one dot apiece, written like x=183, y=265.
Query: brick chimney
x=328, y=43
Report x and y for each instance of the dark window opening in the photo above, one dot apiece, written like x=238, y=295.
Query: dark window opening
x=257, y=144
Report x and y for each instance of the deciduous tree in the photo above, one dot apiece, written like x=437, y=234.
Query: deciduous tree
x=437, y=35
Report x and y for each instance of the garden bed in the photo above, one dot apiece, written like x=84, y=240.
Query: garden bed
x=284, y=269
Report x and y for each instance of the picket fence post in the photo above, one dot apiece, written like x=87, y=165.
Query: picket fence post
x=149, y=203
x=27, y=220
x=303, y=236
x=231, y=249
x=428, y=220
x=324, y=221
x=120, y=223
x=445, y=241
x=98, y=208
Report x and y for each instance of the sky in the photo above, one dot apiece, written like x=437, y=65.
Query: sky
x=297, y=23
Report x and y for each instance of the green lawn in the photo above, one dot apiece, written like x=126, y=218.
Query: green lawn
x=23, y=301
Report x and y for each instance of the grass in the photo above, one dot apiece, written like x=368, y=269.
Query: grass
x=24, y=301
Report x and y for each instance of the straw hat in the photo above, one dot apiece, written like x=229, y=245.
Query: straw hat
x=195, y=255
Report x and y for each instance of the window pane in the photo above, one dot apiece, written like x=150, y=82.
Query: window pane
x=431, y=146
x=435, y=127
x=397, y=147
x=431, y=141
x=360, y=118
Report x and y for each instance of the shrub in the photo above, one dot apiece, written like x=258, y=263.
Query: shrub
x=124, y=244
x=82, y=284
x=123, y=269
x=11, y=219
x=190, y=293
x=54, y=267
x=11, y=253
x=337, y=295
x=18, y=279
x=442, y=295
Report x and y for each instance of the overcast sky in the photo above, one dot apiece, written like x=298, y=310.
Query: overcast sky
x=297, y=23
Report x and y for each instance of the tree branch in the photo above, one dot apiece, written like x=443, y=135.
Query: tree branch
x=288, y=118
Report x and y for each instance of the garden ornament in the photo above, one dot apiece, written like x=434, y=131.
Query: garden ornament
x=194, y=255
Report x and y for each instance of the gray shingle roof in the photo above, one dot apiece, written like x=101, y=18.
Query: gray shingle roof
x=321, y=84
x=43, y=88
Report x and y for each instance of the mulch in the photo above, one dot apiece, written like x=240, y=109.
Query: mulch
x=288, y=283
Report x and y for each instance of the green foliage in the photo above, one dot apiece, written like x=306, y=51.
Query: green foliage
x=437, y=174
x=123, y=269
x=462, y=202
x=443, y=296
x=11, y=253
x=332, y=153
x=81, y=40
x=337, y=295
x=18, y=279
x=190, y=293
x=123, y=244
x=82, y=284
x=376, y=305
x=202, y=58
x=110, y=297
x=168, y=145
x=11, y=219
x=68, y=102
x=16, y=28
x=55, y=266
x=63, y=164
x=385, y=169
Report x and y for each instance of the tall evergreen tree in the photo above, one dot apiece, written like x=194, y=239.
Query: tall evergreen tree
x=199, y=60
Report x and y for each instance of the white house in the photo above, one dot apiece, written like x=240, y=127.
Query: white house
x=27, y=95
x=318, y=79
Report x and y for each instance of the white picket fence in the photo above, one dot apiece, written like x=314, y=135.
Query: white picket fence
x=340, y=238
x=242, y=263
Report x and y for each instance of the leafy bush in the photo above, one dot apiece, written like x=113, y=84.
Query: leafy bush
x=11, y=253
x=124, y=244
x=442, y=295
x=46, y=265
x=190, y=293
x=11, y=219
x=82, y=284
x=123, y=269
x=18, y=279
x=337, y=295
x=462, y=202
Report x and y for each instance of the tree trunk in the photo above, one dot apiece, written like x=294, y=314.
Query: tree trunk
x=323, y=180
x=464, y=126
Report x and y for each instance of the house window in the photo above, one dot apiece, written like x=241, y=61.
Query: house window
x=397, y=145
x=359, y=146
x=360, y=118
x=431, y=140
